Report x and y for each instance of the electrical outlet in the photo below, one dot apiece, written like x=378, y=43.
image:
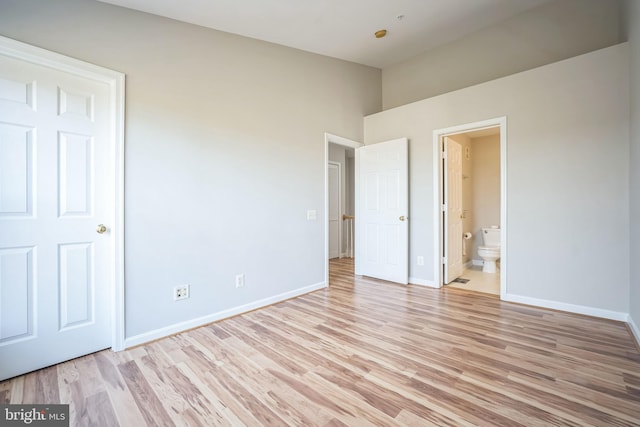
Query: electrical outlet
x=240, y=281
x=420, y=260
x=180, y=292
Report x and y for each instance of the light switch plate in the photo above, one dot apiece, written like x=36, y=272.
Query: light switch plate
x=312, y=215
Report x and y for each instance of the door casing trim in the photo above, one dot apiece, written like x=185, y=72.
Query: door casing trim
x=438, y=134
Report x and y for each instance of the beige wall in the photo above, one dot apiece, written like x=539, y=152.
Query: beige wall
x=567, y=177
x=485, y=184
x=554, y=31
x=224, y=152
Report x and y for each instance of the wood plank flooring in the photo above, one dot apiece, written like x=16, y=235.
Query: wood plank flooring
x=360, y=353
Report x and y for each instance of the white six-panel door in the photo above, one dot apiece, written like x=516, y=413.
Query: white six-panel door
x=55, y=268
x=382, y=226
x=454, y=266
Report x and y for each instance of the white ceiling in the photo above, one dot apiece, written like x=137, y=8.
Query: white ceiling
x=343, y=28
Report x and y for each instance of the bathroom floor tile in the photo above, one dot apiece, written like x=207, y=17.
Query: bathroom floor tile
x=478, y=281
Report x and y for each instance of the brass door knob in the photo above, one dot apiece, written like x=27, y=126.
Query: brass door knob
x=101, y=228
x=402, y=218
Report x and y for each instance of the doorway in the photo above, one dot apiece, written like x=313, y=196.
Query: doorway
x=342, y=151
x=470, y=198
x=336, y=208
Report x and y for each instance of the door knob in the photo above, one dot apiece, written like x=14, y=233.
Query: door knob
x=402, y=218
x=101, y=228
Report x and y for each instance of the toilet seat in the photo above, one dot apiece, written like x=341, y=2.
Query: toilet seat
x=489, y=248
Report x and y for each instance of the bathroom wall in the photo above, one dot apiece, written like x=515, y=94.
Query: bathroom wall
x=485, y=184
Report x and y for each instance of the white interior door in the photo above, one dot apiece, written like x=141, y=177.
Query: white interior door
x=382, y=226
x=453, y=265
x=56, y=271
x=335, y=220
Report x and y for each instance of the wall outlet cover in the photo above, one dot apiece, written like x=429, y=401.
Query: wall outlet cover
x=240, y=281
x=180, y=292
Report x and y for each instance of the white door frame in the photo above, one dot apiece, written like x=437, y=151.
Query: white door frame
x=438, y=134
x=338, y=140
x=340, y=207
x=115, y=81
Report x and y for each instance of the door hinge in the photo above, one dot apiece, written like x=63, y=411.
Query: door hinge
x=444, y=260
x=444, y=208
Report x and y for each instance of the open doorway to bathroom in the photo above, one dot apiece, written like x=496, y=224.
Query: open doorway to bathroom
x=469, y=175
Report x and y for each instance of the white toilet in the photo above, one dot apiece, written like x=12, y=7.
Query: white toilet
x=490, y=252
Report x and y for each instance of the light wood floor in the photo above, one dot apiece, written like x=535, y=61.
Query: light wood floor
x=361, y=353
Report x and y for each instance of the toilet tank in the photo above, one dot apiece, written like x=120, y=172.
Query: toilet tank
x=491, y=236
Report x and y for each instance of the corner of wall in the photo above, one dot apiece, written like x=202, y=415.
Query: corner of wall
x=630, y=12
x=635, y=330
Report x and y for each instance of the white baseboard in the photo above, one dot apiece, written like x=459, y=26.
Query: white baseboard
x=477, y=262
x=421, y=282
x=634, y=330
x=468, y=264
x=571, y=308
x=200, y=321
